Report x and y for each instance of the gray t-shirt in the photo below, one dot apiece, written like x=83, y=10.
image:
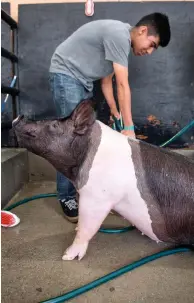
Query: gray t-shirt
x=88, y=54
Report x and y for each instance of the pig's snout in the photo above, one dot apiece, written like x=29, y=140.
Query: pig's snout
x=17, y=120
x=22, y=128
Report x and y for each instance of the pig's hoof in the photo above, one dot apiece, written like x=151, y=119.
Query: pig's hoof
x=75, y=250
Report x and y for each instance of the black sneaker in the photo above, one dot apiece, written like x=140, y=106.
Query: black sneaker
x=70, y=209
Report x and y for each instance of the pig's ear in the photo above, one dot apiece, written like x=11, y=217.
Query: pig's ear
x=83, y=117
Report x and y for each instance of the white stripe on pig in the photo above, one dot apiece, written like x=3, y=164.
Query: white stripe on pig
x=112, y=178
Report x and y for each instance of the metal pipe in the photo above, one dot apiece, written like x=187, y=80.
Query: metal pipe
x=9, y=55
x=8, y=19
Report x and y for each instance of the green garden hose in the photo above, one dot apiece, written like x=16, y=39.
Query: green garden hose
x=41, y=196
x=76, y=292
x=182, y=131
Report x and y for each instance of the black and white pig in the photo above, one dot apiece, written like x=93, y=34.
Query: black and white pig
x=151, y=187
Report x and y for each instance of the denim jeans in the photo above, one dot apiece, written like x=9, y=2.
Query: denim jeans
x=67, y=93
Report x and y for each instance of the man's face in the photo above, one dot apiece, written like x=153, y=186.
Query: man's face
x=144, y=43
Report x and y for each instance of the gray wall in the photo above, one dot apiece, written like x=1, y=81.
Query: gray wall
x=162, y=84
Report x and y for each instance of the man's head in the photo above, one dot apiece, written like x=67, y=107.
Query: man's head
x=150, y=32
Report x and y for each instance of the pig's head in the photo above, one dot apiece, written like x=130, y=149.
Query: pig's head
x=64, y=142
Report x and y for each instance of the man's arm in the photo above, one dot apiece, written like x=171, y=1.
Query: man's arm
x=124, y=97
x=117, y=49
x=107, y=89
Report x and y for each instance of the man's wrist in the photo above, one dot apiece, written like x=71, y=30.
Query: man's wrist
x=112, y=105
x=129, y=127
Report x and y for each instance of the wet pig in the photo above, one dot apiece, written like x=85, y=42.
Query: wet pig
x=150, y=186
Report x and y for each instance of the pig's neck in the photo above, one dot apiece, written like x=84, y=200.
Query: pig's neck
x=93, y=143
x=80, y=147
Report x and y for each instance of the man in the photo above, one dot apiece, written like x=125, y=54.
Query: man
x=99, y=50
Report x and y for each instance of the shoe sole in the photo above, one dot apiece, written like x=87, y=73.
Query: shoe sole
x=70, y=219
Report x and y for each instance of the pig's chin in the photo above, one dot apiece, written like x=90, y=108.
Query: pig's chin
x=26, y=141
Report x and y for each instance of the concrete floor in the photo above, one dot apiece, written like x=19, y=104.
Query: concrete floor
x=32, y=269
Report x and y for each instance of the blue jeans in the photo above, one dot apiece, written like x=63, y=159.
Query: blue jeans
x=67, y=93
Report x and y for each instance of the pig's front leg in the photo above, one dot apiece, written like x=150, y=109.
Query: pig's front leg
x=92, y=212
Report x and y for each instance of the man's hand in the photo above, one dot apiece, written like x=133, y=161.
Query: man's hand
x=128, y=133
x=114, y=112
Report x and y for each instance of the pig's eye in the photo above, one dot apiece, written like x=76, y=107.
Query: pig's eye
x=54, y=125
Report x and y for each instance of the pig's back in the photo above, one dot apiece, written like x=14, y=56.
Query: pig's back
x=166, y=183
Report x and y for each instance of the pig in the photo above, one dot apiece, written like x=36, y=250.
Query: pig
x=152, y=187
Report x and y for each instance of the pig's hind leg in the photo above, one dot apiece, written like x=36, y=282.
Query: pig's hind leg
x=92, y=212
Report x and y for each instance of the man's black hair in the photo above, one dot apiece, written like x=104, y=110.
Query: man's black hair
x=158, y=24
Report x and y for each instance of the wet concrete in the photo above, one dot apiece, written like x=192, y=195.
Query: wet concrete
x=32, y=269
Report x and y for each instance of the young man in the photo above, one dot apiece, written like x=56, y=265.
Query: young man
x=99, y=50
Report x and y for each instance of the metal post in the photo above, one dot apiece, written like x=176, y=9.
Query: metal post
x=14, y=69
